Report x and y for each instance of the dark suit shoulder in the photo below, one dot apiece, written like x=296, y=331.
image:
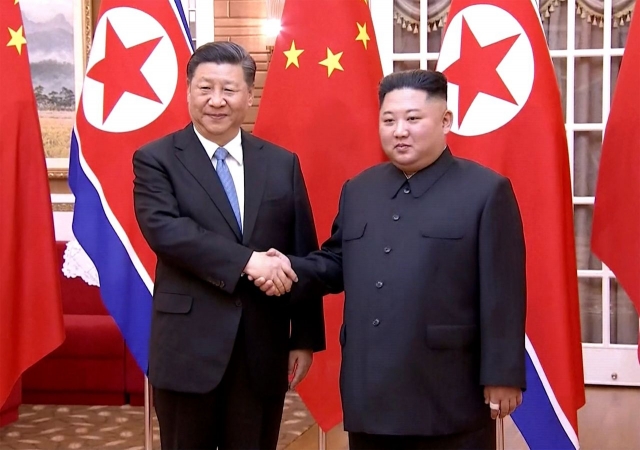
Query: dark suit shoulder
x=273, y=150
x=479, y=171
x=165, y=143
x=373, y=174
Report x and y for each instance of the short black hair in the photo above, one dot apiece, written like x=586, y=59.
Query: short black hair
x=223, y=52
x=432, y=82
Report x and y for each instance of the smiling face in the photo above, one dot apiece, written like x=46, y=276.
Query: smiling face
x=218, y=98
x=412, y=128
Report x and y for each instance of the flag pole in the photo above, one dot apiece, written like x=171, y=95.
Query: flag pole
x=148, y=419
x=322, y=439
x=500, y=433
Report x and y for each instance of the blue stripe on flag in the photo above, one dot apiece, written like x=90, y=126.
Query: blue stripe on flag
x=185, y=25
x=536, y=419
x=123, y=292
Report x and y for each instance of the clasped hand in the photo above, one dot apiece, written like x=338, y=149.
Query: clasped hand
x=271, y=271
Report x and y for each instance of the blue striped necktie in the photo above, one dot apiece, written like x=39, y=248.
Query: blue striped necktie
x=227, y=182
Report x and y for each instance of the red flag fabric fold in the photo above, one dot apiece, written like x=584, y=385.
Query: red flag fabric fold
x=508, y=116
x=320, y=101
x=31, y=323
x=615, y=234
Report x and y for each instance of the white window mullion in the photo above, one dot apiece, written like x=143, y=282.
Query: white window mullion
x=382, y=16
x=424, y=30
x=571, y=65
x=205, y=28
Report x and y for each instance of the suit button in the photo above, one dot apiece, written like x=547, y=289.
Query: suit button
x=406, y=190
x=387, y=250
x=379, y=284
x=238, y=303
x=395, y=217
x=376, y=323
x=222, y=284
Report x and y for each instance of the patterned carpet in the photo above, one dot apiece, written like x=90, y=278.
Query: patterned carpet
x=56, y=427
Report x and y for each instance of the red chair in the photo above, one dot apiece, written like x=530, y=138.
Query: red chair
x=89, y=367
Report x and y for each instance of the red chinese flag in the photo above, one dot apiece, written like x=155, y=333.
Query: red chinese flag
x=616, y=217
x=320, y=101
x=30, y=307
x=508, y=116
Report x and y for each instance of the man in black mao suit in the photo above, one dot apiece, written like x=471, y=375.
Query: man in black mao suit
x=208, y=199
x=429, y=250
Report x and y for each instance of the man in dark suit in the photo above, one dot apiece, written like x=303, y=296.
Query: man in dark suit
x=208, y=199
x=429, y=250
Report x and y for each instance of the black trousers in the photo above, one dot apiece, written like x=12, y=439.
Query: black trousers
x=231, y=417
x=483, y=439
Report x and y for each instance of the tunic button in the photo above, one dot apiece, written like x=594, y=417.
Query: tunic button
x=376, y=323
x=396, y=217
x=379, y=284
x=387, y=250
x=238, y=303
x=407, y=190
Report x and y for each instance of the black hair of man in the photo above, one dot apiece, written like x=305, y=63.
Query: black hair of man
x=432, y=82
x=223, y=52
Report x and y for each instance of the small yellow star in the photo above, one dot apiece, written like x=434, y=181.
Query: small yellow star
x=362, y=34
x=332, y=62
x=18, y=1
x=17, y=39
x=366, y=2
x=292, y=55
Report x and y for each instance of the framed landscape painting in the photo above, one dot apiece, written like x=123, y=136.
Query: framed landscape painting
x=58, y=34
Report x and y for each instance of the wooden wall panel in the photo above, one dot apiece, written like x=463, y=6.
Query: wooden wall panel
x=241, y=21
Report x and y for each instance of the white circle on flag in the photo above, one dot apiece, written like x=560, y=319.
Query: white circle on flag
x=131, y=112
x=489, y=24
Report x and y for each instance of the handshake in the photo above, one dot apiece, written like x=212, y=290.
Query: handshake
x=271, y=271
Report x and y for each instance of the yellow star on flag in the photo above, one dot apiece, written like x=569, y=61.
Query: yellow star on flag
x=17, y=39
x=18, y=1
x=362, y=34
x=332, y=62
x=292, y=55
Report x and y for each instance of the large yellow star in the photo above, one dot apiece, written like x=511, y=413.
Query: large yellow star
x=332, y=62
x=362, y=34
x=17, y=39
x=292, y=55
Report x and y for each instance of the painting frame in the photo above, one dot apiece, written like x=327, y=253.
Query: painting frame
x=84, y=14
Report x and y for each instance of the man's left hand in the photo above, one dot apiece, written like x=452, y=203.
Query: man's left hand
x=506, y=398
x=299, y=365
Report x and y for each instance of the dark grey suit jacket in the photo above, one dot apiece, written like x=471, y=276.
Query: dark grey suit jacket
x=200, y=295
x=433, y=270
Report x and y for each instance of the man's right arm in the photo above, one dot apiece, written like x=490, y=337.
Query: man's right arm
x=320, y=272
x=206, y=254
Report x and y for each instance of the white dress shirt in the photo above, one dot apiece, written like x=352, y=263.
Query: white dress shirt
x=234, y=161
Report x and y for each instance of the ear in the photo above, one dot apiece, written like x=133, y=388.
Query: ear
x=250, y=100
x=447, y=121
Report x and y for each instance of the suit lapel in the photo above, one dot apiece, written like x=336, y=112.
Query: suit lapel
x=193, y=156
x=255, y=176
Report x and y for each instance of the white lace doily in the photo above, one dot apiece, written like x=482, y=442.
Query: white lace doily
x=78, y=264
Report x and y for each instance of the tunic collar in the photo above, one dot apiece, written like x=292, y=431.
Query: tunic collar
x=422, y=180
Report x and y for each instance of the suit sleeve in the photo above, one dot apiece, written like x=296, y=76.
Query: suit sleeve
x=307, y=316
x=180, y=240
x=320, y=273
x=502, y=290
